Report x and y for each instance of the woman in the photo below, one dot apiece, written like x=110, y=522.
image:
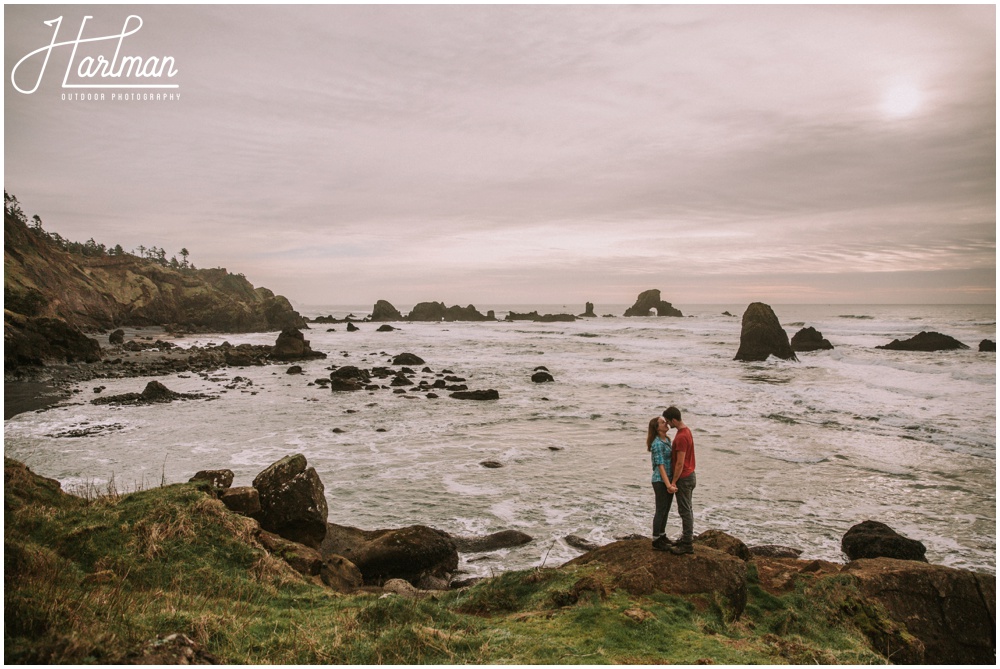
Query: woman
x=658, y=445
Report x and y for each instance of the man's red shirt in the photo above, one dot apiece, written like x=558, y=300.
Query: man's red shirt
x=683, y=443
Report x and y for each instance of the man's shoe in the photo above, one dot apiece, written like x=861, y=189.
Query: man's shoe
x=662, y=543
x=682, y=548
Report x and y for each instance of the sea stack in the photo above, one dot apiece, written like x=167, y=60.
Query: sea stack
x=763, y=336
x=649, y=300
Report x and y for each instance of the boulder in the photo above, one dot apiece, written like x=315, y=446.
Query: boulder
x=292, y=501
x=344, y=385
x=491, y=464
x=925, y=341
x=294, y=369
x=581, y=543
x=352, y=373
x=872, y=539
x=542, y=377
x=351, y=327
x=341, y=574
x=301, y=558
x=407, y=359
x=385, y=327
x=170, y=649
x=219, y=478
x=408, y=553
x=951, y=611
x=762, y=336
x=775, y=551
x=292, y=345
x=491, y=542
x=117, y=338
x=810, y=339
x=649, y=300
x=475, y=395
x=721, y=541
x=987, y=346
x=635, y=567
x=383, y=311
x=37, y=341
x=244, y=500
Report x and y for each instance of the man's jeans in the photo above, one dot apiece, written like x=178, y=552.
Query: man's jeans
x=685, y=487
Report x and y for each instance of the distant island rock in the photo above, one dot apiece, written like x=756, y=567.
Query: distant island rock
x=588, y=311
x=649, y=300
x=763, y=336
x=925, y=341
x=384, y=311
x=810, y=339
x=535, y=317
x=437, y=311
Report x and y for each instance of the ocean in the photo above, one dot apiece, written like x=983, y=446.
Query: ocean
x=789, y=453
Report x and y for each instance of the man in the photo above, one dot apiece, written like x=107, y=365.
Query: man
x=682, y=478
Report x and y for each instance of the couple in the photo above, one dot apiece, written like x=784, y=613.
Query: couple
x=673, y=474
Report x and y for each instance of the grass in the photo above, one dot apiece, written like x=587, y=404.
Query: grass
x=90, y=580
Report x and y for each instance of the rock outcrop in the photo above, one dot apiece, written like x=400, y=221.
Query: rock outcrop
x=217, y=478
x=407, y=359
x=384, y=311
x=588, y=311
x=154, y=393
x=38, y=341
x=292, y=345
x=951, y=611
x=762, y=336
x=437, y=311
x=292, y=500
x=649, y=300
x=987, y=346
x=638, y=569
x=491, y=542
x=409, y=553
x=537, y=318
x=809, y=339
x=475, y=395
x=872, y=539
x=925, y=341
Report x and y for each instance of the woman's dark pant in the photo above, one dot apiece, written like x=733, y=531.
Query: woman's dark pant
x=685, y=487
x=664, y=500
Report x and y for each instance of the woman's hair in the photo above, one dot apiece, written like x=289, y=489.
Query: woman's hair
x=654, y=426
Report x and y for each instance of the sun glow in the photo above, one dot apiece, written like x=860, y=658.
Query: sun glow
x=901, y=100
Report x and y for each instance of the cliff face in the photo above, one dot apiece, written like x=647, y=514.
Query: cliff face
x=42, y=280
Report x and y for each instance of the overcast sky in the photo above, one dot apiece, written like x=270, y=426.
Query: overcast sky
x=530, y=154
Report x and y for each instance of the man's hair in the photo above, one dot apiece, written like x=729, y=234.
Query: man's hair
x=672, y=413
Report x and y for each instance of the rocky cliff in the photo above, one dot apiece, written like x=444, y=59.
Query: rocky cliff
x=41, y=280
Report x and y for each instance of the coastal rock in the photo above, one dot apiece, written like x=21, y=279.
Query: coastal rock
x=341, y=574
x=581, y=543
x=809, y=339
x=951, y=611
x=338, y=385
x=292, y=500
x=39, y=341
x=351, y=327
x=762, y=336
x=987, y=346
x=244, y=500
x=407, y=359
x=117, y=338
x=294, y=369
x=649, y=300
x=542, y=377
x=384, y=311
x=775, y=551
x=385, y=327
x=872, y=539
x=351, y=373
x=301, y=558
x=721, y=541
x=491, y=464
x=437, y=311
x=588, y=311
x=218, y=478
x=475, y=395
x=408, y=553
x=925, y=341
x=154, y=393
x=292, y=345
x=636, y=568
x=491, y=542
